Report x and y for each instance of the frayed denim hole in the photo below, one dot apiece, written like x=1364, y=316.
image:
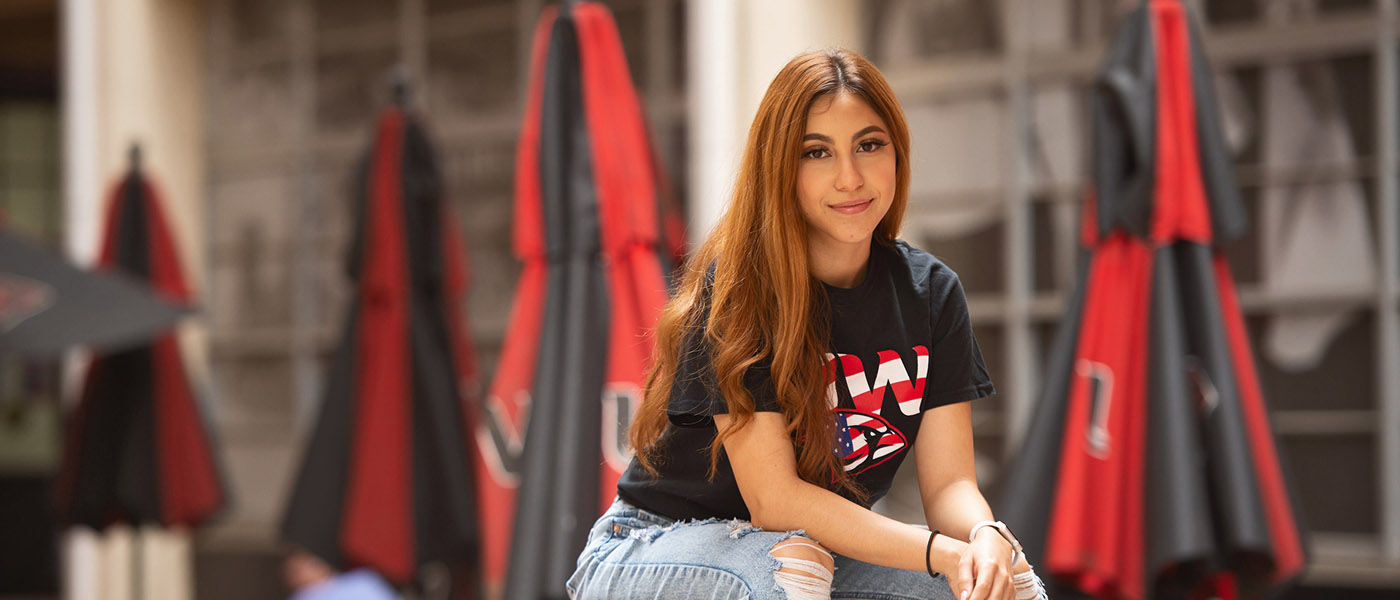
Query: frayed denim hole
x=773, y=566
x=649, y=534
x=739, y=528
x=776, y=564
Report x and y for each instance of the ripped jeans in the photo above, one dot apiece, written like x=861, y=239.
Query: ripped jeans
x=635, y=554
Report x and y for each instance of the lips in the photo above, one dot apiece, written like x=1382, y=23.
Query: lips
x=852, y=207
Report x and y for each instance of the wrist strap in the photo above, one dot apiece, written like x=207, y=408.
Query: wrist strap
x=928, y=552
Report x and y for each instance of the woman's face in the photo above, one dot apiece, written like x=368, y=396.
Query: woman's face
x=846, y=174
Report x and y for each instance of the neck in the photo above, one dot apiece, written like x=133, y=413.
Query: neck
x=840, y=265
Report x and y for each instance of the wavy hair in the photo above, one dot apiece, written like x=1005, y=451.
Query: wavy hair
x=763, y=302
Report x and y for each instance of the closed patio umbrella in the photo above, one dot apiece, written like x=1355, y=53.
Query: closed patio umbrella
x=595, y=238
x=386, y=481
x=1150, y=469
x=138, y=449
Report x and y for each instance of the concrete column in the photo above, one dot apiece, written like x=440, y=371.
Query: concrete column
x=81, y=177
x=133, y=71
x=151, y=90
x=735, y=47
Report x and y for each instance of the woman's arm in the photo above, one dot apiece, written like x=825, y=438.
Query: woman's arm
x=952, y=501
x=947, y=472
x=765, y=468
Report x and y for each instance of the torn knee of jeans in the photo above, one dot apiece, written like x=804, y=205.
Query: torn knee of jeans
x=804, y=569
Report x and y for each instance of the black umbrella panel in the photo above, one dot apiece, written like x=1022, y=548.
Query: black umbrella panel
x=1150, y=469
x=48, y=305
x=385, y=481
x=590, y=230
x=500, y=420
x=138, y=449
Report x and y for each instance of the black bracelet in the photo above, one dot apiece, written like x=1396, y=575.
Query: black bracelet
x=928, y=551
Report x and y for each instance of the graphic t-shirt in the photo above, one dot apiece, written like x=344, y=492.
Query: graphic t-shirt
x=901, y=343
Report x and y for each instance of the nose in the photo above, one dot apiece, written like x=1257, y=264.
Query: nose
x=848, y=177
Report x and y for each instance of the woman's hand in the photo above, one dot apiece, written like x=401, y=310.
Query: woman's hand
x=984, y=571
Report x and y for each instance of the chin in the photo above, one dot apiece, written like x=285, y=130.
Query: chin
x=858, y=239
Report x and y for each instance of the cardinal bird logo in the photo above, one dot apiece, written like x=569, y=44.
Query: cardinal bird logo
x=864, y=438
x=867, y=439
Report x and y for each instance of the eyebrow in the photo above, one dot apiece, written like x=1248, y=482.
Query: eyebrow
x=821, y=138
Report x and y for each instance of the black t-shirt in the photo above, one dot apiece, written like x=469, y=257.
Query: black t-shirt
x=902, y=343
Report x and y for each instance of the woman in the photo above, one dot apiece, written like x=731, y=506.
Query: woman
x=807, y=353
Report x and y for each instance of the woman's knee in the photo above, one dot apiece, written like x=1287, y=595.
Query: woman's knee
x=805, y=569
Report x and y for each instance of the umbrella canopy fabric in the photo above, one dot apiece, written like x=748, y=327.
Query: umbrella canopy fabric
x=1150, y=469
x=502, y=418
x=385, y=481
x=138, y=448
x=48, y=305
x=595, y=240
x=631, y=227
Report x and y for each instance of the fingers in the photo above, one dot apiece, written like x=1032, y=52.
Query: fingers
x=982, y=589
x=965, y=577
x=1001, y=583
x=992, y=582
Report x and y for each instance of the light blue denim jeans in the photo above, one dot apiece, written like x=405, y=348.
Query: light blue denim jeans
x=635, y=554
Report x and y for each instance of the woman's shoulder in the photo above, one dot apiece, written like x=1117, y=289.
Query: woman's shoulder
x=925, y=270
x=935, y=282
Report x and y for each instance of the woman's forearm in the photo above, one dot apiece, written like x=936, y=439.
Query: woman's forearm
x=853, y=530
x=761, y=454
x=956, y=507
x=959, y=506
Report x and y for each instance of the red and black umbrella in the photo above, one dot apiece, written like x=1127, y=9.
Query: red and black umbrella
x=386, y=481
x=138, y=449
x=592, y=233
x=1150, y=469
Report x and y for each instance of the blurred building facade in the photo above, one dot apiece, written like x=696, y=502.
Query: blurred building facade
x=30, y=187
x=254, y=113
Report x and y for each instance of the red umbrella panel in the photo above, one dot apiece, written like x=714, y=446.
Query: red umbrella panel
x=631, y=228
x=138, y=449
x=1150, y=469
x=592, y=233
x=386, y=481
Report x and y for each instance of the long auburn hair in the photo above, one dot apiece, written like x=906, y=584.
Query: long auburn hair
x=763, y=302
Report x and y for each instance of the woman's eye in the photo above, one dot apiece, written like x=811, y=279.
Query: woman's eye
x=815, y=153
x=871, y=145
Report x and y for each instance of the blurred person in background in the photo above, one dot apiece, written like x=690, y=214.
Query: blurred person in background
x=310, y=578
